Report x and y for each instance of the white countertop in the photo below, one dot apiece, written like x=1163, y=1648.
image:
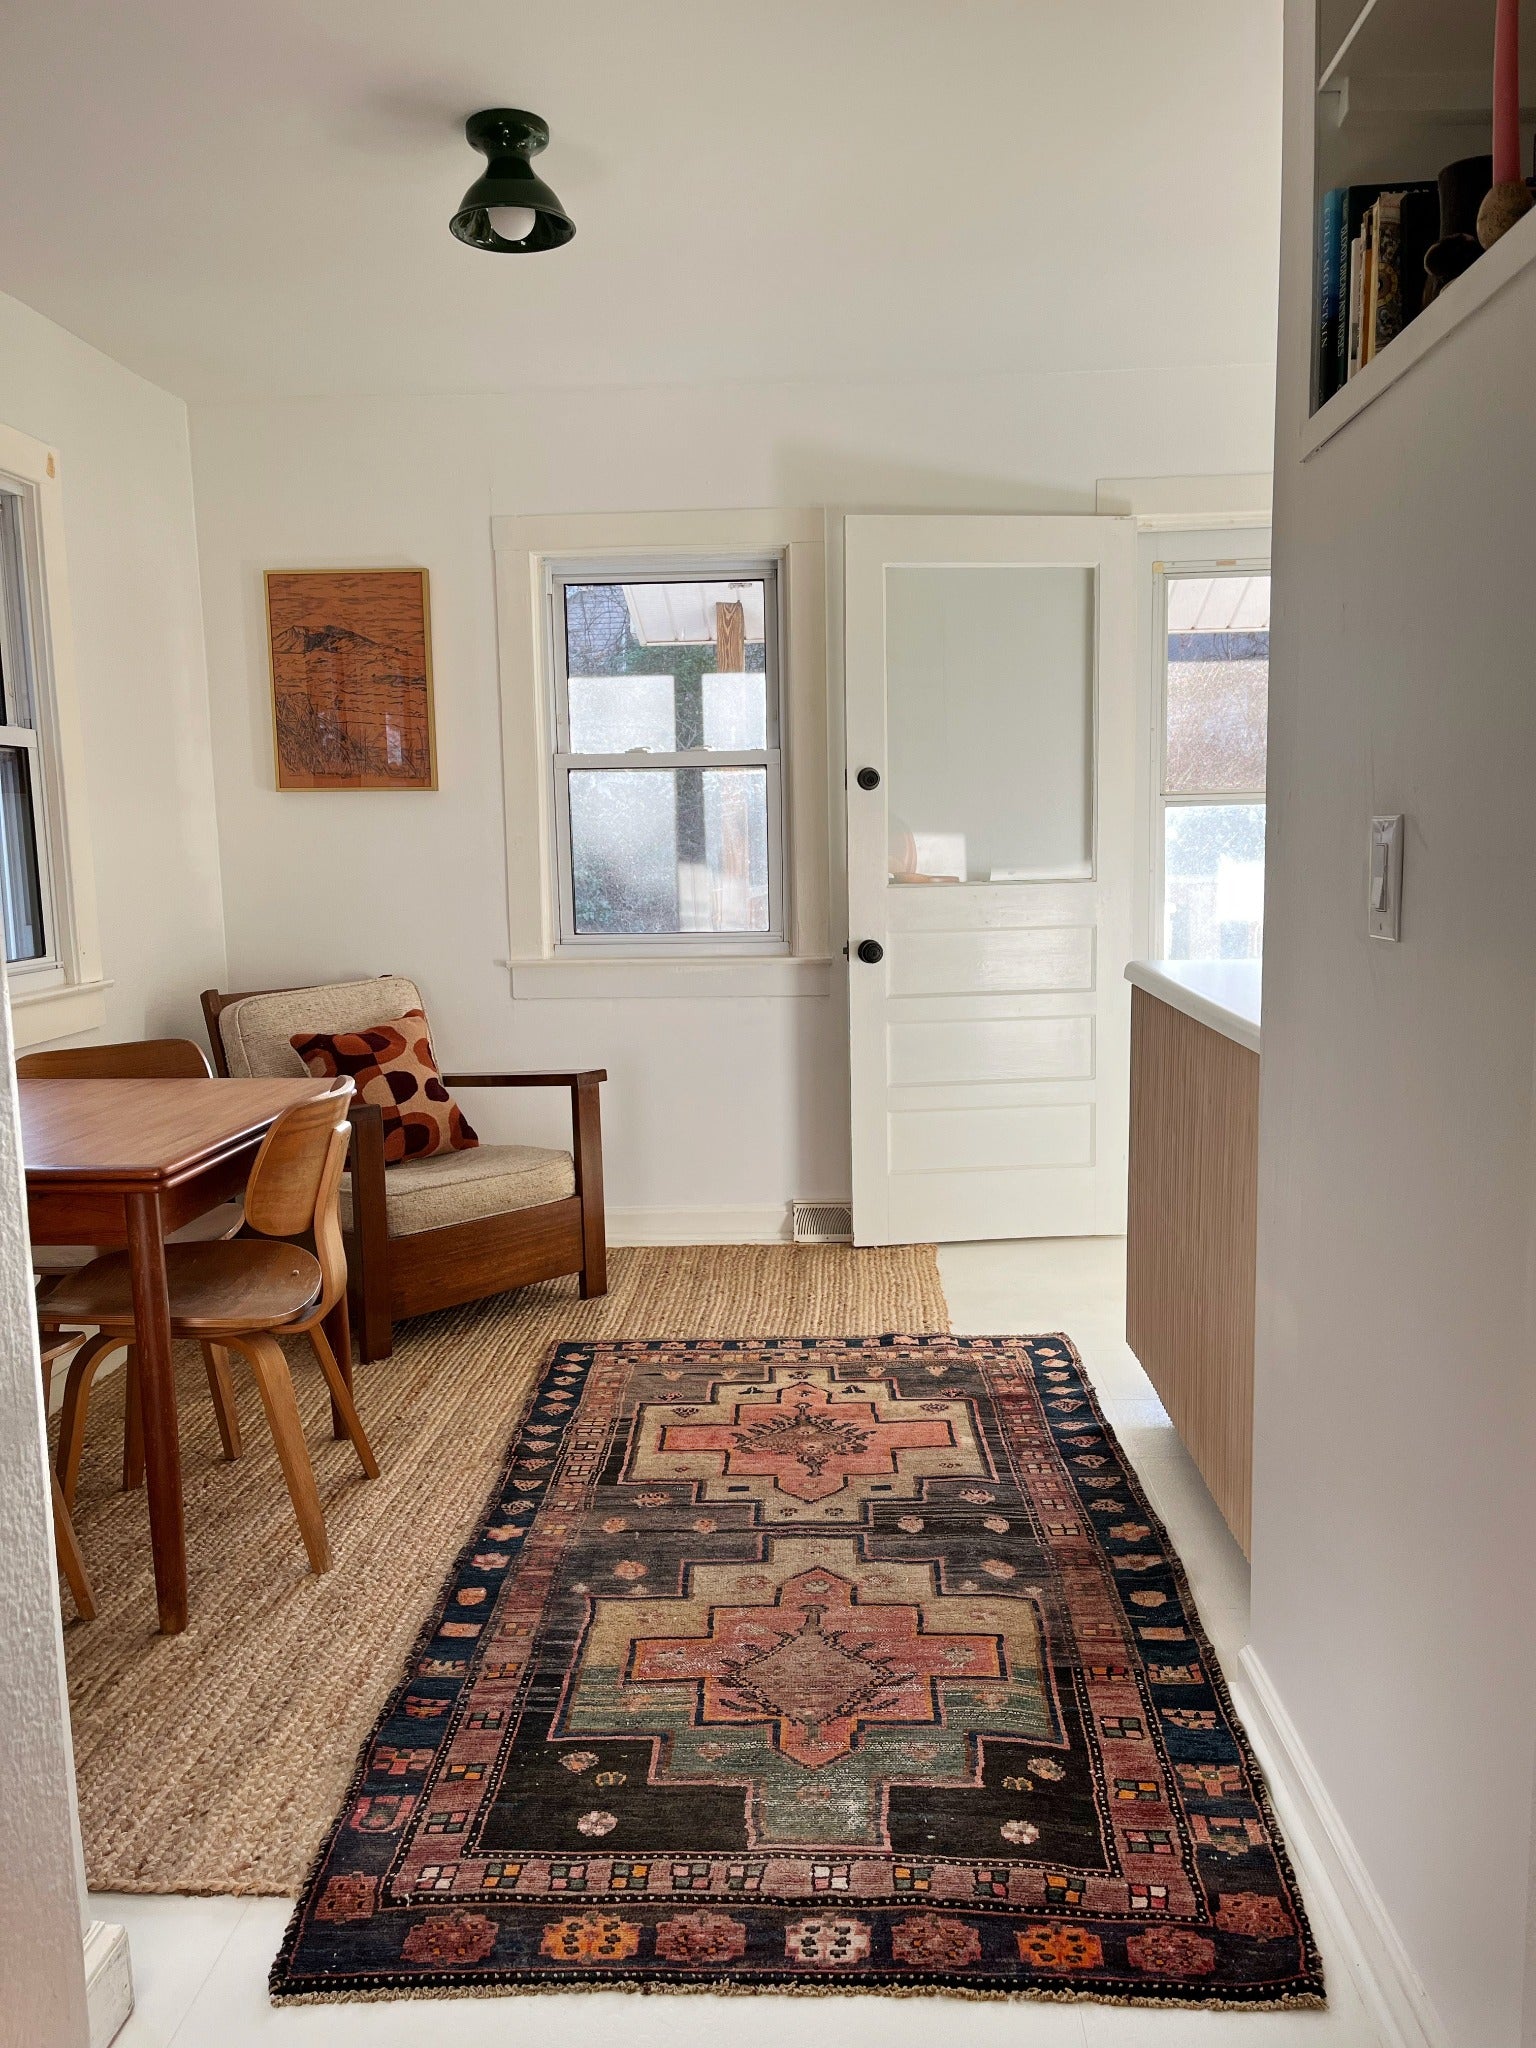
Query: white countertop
x=1222, y=993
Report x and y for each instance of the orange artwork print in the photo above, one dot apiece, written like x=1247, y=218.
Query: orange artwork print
x=351, y=678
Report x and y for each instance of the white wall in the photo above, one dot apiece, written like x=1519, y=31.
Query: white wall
x=42, y=1877
x=1392, y=1568
x=733, y=1104
x=140, y=664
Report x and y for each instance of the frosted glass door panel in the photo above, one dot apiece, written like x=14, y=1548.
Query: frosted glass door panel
x=990, y=722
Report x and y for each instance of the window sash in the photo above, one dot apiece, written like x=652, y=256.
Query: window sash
x=743, y=569
x=768, y=758
x=1168, y=572
x=20, y=707
x=1203, y=799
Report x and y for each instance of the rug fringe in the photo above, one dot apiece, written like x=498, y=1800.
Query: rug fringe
x=848, y=1988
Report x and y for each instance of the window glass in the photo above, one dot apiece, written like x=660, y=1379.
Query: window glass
x=21, y=895
x=989, y=722
x=1218, y=684
x=669, y=850
x=22, y=839
x=1213, y=882
x=661, y=667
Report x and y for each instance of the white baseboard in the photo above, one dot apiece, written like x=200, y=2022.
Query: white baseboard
x=769, y=1224
x=108, y=1980
x=1332, y=1872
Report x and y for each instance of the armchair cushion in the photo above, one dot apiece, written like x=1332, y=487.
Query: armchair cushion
x=392, y=1065
x=462, y=1187
x=257, y=1032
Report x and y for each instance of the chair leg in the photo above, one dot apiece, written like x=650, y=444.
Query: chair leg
x=77, y=1393
x=55, y=1344
x=222, y=1388
x=133, y=1425
x=342, y=1402
x=275, y=1385
x=338, y=1332
x=67, y=1549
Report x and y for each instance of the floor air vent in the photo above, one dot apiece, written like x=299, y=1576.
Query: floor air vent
x=823, y=1223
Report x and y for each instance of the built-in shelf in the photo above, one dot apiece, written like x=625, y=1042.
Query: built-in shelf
x=1457, y=303
x=1428, y=60
x=1422, y=39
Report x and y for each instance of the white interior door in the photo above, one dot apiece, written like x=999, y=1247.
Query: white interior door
x=990, y=690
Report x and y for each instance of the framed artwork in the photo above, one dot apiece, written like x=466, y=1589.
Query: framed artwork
x=351, y=653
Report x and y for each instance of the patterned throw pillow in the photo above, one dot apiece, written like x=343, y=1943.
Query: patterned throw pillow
x=392, y=1065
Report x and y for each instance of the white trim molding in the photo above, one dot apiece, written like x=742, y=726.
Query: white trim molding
x=665, y=978
x=108, y=1980
x=768, y=1223
x=525, y=544
x=1333, y=1872
x=47, y=1014
x=70, y=999
x=1171, y=504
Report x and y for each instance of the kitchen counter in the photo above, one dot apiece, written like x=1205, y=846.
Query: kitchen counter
x=1226, y=994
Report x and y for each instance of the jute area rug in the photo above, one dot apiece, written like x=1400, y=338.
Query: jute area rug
x=811, y=1665
x=214, y=1761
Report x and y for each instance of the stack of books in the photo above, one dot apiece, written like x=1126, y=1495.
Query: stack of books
x=1371, y=246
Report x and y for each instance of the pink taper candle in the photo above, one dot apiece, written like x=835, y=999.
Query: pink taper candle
x=1506, y=94
x=1510, y=197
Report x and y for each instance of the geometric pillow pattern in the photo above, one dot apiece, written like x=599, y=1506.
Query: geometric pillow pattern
x=392, y=1065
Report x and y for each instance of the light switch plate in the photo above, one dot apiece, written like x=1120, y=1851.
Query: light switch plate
x=1384, y=880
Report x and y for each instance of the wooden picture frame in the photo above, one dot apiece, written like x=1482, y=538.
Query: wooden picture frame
x=350, y=657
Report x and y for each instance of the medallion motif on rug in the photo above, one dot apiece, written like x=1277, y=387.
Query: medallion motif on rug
x=838, y=1664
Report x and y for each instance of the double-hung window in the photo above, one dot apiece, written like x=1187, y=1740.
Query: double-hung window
x=26, y=895
x=668, y=780
x=1212, y=714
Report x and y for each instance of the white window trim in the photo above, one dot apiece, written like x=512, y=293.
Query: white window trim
x=66, y=994
x=526, y=547
x=1186, y=552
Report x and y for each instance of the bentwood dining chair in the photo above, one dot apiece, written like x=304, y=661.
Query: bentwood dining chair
x=139, y=1059
x=243, y=1294
x=66, y=1544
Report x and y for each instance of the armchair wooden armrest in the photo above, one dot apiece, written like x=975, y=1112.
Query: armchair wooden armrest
x=586, y=1152
x=557, y=1077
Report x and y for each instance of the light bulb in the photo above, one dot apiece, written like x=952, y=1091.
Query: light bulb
x=512, y=223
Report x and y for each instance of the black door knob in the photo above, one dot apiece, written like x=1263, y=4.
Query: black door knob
x=868, y=778
x=871, y=952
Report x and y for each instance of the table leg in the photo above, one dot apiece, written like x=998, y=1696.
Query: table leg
x=157, y=1398
x=338, y=1329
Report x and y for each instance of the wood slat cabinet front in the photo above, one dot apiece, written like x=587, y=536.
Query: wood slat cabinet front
x=1191, y=1239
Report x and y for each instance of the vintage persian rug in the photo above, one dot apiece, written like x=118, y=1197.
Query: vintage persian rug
x=811, y=1665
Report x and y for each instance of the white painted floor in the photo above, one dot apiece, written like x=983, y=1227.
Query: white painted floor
x=200, y=1965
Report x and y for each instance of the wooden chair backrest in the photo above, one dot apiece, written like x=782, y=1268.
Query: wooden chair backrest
x=297, y=1172
x=139, y=1059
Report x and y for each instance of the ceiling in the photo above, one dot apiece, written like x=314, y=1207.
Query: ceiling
x=245, y=200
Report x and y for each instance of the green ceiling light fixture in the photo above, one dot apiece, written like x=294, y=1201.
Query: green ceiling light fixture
x=510, y=209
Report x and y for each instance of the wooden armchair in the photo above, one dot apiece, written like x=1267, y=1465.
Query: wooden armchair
x=430, y=1233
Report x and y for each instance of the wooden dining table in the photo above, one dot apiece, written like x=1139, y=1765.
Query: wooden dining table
x=127, y=1163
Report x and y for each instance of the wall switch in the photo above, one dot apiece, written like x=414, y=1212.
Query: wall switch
x=1384, y=899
